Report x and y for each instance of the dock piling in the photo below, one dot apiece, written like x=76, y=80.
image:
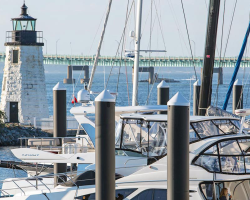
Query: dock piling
x=105, y=146
x=196, y=97
x=237, y=95
x=162, y=95
x=178, y=148
x=60, y=120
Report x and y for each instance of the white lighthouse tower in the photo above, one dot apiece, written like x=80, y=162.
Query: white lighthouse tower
x=23, y=88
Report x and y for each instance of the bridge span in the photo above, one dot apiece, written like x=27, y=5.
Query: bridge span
x=144, y=61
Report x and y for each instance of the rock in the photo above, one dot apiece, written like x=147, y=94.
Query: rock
x=10, y=134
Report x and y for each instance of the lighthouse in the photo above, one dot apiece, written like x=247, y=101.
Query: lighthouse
x=23, y=94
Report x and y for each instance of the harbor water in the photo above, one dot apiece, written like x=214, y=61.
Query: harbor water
x=185, y=76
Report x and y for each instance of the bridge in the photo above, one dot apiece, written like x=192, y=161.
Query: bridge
x=144, y=61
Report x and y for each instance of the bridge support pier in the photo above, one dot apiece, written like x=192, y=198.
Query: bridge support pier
x=220, y=74
x=70, y=80
x=150, y=70
x=219, y=71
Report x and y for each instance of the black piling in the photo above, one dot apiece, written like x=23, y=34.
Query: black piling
x=162, y=95
x=196, y=97
x=237, y=95
x=178, y=148
x=60, y=128
x=105, y=146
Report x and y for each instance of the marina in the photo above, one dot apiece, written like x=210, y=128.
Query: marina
x=130, y=121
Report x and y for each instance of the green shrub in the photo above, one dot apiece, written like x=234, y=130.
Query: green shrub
x=2, y=119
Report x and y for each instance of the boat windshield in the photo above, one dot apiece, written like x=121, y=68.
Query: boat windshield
x=149, y=138
x=231, y=156
x=238, y=189
x=211, y=128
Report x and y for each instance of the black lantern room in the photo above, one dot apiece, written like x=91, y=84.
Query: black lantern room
x=24, y=30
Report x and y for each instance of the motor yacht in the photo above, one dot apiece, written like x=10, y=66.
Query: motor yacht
x=145, y=135
x=218, y=162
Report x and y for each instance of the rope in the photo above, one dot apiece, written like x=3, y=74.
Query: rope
x=119, y=45
x=150, y=42
x=73, y=85
x=127, y=81
x=79, y=77
x=222, y=33
x=118, y=78
x=230, y=27
x=189, y=39
x=164, y=55
x=177, y=25
x=229, y=32
x=160, y=25
x=247, y=90
x=247, y=81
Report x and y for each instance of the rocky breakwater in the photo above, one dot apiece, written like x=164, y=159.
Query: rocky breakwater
x=10, y=133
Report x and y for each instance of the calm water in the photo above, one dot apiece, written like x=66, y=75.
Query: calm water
x=58, y=73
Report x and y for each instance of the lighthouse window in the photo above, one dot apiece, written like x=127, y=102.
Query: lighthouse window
x=18, y=26
x=14, y=25
x=33, y=24
x=29, y=27
x=15, y=56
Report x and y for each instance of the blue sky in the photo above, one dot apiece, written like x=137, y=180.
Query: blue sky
x=77, y=22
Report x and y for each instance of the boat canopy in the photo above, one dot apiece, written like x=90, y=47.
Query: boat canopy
x=148, y=133
x=228, y=156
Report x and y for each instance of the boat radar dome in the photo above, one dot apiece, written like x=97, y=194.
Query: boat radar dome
x=83, y=96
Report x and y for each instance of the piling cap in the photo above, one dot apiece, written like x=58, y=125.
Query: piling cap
x=162, y=84
x=238, y=82
x=59, y=86
x=178, y=100
x=105, y=96
x=197, y=83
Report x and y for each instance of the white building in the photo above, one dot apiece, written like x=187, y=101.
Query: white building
x=24, y=93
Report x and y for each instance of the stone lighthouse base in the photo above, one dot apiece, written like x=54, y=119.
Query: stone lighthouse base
x=24, y=93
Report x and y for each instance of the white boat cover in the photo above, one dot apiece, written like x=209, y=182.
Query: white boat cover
x=80, y=110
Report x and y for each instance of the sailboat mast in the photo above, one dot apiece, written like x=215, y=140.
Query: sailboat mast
x=137, y=52
x=99, y=47
x=208, y=66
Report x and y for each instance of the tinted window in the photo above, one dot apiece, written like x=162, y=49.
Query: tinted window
x=119, y=194
x=207, y=190
x=145, y=195
x=160, y=194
